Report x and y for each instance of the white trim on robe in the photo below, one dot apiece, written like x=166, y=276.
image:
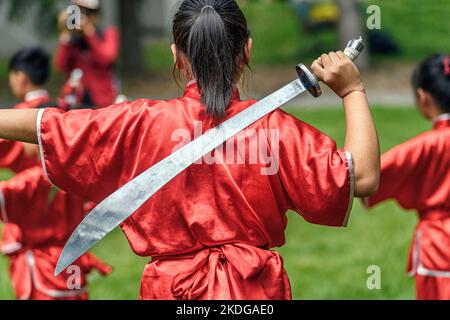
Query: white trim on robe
x=51, y=293
x=351, y=169
x=417, y=264
x=10, y=248
x=3, y=207
x=36, y=94
x=41, y=147
x=442, y=117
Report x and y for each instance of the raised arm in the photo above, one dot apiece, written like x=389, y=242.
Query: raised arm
x=338, y=72
x=19, y=125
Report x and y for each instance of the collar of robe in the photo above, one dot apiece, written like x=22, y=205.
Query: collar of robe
x=192, y=91
x=442, y=121
x=36, y=94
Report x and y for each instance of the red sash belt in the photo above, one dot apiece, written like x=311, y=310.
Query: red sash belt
x=208, y=268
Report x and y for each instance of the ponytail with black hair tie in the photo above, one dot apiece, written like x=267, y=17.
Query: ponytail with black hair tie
x=446, y=63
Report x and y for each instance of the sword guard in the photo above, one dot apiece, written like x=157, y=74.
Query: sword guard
x=309, y=81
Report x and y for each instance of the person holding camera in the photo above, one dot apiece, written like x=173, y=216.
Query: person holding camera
x=91, y=49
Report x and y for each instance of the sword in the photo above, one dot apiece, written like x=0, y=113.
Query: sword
x=120, y=205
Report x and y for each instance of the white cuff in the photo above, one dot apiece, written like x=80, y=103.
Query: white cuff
x=351, y=170
x=41, y=148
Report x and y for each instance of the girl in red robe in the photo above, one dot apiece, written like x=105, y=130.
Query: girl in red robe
x=417, y=175
x=210, y=230
x=38, y=219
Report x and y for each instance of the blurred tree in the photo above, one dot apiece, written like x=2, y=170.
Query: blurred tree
x=351, y=26
x=46, y=10
x=131, y=37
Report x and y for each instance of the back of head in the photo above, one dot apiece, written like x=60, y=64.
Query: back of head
x=433, y=76
x=34, y=62
x=212, y=35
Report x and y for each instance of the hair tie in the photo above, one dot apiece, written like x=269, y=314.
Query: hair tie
x=447, y=65
x=206, y=7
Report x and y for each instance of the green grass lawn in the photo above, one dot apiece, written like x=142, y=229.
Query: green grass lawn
x=323, y=263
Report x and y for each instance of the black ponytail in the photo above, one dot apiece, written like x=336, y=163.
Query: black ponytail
x=212, y=35
x=433, y=76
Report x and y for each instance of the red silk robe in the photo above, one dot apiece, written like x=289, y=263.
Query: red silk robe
x=417, y=175
x=210, y=229
x=12, y=153
x=38, y=221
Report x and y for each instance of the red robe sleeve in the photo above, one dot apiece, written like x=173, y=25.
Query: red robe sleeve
x=401, y=174
x=105, y=50
x=84, y=152
x=317, y=177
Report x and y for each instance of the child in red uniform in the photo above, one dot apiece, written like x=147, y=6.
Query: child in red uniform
x=29, y=70
x=417, y=175
x=38, y=221
x=94, y=51
x=210, y=230
x=37, y=217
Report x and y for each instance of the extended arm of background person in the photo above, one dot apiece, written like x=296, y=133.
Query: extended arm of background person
x=19, y=125
x=341, y=75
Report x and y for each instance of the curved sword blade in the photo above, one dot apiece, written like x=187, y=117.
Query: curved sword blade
x=115, y=209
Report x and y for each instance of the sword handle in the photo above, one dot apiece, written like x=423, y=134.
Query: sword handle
x=309, y=80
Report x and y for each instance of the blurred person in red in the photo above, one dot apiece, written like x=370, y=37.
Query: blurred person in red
x=39, y=218
x=93, y=51
x=417, y=175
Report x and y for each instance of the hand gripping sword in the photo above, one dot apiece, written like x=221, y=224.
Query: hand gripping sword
x=120, y=205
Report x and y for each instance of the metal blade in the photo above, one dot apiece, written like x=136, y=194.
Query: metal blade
x=115, y=209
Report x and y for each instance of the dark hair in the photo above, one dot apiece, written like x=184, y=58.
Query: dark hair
x=433, y=76
x=212, y=35
x=34, y=62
